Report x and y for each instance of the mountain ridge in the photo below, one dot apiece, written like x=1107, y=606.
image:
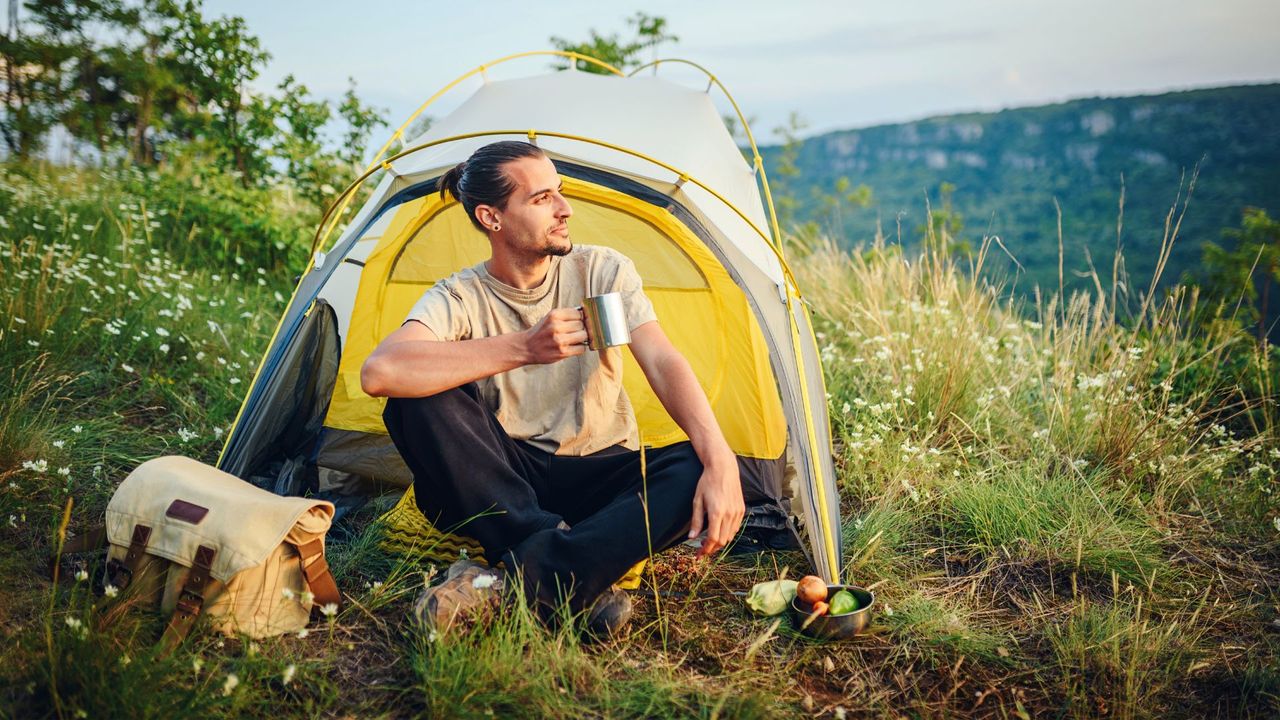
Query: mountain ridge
x=1009, y=166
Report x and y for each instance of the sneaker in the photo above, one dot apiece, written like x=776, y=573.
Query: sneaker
x=467, y=589
x=609, y=614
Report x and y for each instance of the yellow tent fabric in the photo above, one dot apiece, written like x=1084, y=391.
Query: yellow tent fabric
x=428, y=239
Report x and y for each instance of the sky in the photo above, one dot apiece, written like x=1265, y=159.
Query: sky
x=838, y=65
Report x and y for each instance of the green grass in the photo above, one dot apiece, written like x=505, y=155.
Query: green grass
x=1066, y=518
x=1123, y=660
x=1061, y=514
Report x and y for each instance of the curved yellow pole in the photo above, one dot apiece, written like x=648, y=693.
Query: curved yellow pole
x=792, y=296
x=377, y=162
x=746, y=126
x=351, y=189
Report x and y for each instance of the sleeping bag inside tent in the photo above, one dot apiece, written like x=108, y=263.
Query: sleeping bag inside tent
x=721, y=294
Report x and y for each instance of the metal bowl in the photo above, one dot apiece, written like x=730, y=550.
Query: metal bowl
x=835, y=627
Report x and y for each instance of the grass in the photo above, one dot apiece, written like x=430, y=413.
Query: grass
x=1066, y=508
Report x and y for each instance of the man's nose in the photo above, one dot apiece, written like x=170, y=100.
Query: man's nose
x=563, y=210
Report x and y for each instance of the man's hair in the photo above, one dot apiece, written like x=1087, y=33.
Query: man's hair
x=480, y=179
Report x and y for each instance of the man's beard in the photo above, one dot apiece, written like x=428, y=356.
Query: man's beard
x=552, y=248
x=558, y=250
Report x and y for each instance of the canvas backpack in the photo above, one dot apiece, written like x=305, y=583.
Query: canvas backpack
x=194, y=540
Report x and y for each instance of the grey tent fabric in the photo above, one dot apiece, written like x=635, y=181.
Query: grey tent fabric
x=298, y=395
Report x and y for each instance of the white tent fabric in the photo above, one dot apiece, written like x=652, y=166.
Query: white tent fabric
x=687, y=134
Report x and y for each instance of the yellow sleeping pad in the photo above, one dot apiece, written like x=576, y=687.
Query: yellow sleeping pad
x=408, y=532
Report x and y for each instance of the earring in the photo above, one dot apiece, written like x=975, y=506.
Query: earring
x=496, y=228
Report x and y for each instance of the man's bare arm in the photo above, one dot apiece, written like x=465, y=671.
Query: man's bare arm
x=414, y=362
x=717, y=505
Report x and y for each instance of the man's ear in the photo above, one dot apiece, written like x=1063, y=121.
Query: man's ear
x=486, y=215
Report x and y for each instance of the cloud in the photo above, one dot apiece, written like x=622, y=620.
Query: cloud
x=853, y=40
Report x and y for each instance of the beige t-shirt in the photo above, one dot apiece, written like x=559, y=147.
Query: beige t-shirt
x=572, y=407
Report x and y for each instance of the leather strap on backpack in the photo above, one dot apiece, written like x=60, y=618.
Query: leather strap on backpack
x=190, y=600
x=316, y=571
x=93, y=539
x=120, y=573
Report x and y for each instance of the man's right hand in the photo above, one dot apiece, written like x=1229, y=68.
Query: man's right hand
x=557, y=336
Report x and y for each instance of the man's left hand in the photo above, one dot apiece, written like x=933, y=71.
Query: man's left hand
x=717, y=505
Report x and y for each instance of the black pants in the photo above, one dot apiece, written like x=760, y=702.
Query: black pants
x=470, y=477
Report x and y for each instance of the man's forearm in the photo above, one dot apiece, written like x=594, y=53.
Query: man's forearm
x=420, y=368
x=677, y=388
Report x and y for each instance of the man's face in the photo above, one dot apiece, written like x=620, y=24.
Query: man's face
x=535, y=221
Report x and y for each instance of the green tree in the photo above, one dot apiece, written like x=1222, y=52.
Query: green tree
x=299, y=142
x=219, y=57
x=785, y=174
x=945, y=225
x=1246, y=272
x=843, y=196
x=37, y=57
x=650, y=32
x=150, y=72
x=361, y=120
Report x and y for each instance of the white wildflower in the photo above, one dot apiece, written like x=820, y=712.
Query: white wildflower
x=110, y=590
x=308, y=597
x=196, y=664
x=162, y=332
x=81, y=575
x=164, y=347
x=59, y=444
x=289, y=672
x=126, y=368
x=64, y=471
x=77, y=429
x=303, y=633
x=329, y=609
x=229, y=685
x=1276, y=521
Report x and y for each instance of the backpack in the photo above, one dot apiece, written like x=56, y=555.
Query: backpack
x=193, y=540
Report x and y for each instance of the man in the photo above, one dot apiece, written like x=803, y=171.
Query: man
x=518, y=435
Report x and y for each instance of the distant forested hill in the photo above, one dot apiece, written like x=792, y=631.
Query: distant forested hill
x=1008, y=167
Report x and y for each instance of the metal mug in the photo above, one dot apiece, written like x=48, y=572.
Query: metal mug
x=606, y=321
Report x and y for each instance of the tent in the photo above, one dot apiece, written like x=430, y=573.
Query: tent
x=652, y=171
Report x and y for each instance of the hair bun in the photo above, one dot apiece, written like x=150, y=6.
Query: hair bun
x=452, y=181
